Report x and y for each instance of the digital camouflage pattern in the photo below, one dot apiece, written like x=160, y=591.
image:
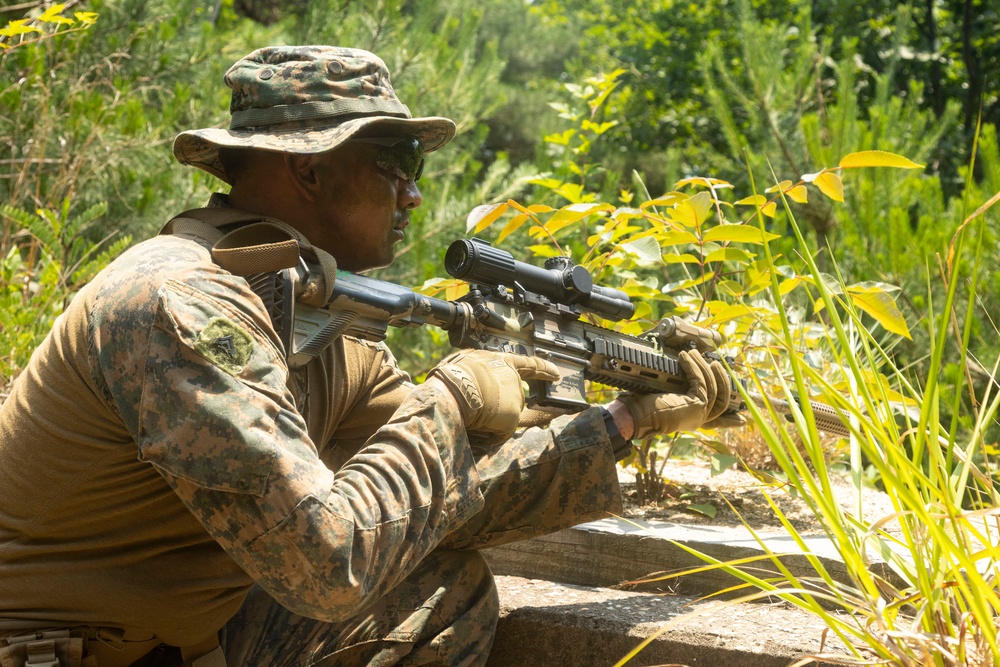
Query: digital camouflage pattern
x=307, y=99
x=183, y=465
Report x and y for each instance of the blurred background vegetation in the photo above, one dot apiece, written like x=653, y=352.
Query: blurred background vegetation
x=620, y=100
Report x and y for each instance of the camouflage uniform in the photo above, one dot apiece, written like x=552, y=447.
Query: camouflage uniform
x=159, y=463
x=164, y=474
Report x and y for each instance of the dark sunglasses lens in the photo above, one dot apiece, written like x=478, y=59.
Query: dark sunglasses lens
x=405, y=159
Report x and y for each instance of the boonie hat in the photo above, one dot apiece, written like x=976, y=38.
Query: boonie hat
x=307, y=99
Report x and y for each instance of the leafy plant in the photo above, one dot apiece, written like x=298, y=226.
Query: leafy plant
x=46, y=259
x=939, y=601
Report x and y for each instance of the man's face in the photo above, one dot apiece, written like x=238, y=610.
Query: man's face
x=364, y=203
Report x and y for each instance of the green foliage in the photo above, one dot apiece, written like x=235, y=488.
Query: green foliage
x=940, y=603
x=46, y=259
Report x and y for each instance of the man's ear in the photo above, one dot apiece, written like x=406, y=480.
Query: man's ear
x=303, y=175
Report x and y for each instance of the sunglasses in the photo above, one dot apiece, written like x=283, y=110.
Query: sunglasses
x=401, y=157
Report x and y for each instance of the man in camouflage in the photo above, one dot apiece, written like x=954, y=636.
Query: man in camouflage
x=166, y=480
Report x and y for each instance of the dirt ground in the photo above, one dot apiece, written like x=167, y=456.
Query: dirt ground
x=692, y=493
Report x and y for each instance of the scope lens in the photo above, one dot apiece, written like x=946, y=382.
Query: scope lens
x=456, y=260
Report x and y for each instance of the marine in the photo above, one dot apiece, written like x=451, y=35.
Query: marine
x=173, y=492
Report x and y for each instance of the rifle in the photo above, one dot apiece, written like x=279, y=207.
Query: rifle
x=513, y=307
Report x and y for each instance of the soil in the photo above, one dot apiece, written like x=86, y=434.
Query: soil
x=692, y=493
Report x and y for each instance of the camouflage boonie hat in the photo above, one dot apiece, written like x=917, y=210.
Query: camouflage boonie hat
x=307, y=99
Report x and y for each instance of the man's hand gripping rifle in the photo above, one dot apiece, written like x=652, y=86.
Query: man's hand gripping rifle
x=517, y=307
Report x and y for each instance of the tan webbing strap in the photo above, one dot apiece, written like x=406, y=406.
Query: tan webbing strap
x=260, y=247
x=207, y=653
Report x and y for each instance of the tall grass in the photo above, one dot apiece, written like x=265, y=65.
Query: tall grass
x=939, y=604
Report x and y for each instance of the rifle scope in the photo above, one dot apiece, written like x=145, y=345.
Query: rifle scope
x=561, y=281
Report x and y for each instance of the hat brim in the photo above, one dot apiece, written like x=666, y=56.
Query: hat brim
x=200, y=148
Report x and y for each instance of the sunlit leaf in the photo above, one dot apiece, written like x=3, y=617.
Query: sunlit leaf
x=729, y=313
x=545, y=251
x=877, y=159
x=52, y=15
x=573, y=213
x=672, y=238
x=799, y=194
x=483, y=216
x=694, y=211
x=704, y=182
x=786, y=286
x=645, y=249
x=668, y=199
x=879, y=304
x=86, y=18
x=769, y=209
x=560, y=138
x=753, y=200
x=828, y=183
x=729, y=255
x=598, y=129
x=19, y=27
x=687, y=284
x=738, y=234
x=686, y=258
x=782, y=186
x=512, y=226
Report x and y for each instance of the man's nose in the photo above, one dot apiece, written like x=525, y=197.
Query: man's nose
x=409, y=196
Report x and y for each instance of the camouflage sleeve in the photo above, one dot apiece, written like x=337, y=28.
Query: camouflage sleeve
x=218, y=422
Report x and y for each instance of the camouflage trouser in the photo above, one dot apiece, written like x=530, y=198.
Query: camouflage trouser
x=445, y=612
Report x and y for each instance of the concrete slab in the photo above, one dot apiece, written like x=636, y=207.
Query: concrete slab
x=545, y=623
x=614, y=552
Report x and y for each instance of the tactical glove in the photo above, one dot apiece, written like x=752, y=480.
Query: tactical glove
x=707, y=398
x=487, y=388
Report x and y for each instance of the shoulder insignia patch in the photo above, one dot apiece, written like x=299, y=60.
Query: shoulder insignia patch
x=225, y=344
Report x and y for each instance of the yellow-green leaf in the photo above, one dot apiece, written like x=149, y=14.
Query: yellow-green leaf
x=560, y=139
x=729, y=255
x=86, y=18
x=52, y=15
x=729, y=313
x=784, y=185
x=738, y=234
x=830, y=184
x=512, y=226
x=534, y=208
x=645, y=249
x=877, y=159
x=483, y=216
x=668, y=199
x=675, y=237
x=879, y=304
x=687, y=284
x=769, y=209
x=18, y=27
x=686, y=258
x=704, y=182
x=798, y=194
x=753, y=200
x=543, y=250
x=573, y=213
x=787, y=285
x=694, y=211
